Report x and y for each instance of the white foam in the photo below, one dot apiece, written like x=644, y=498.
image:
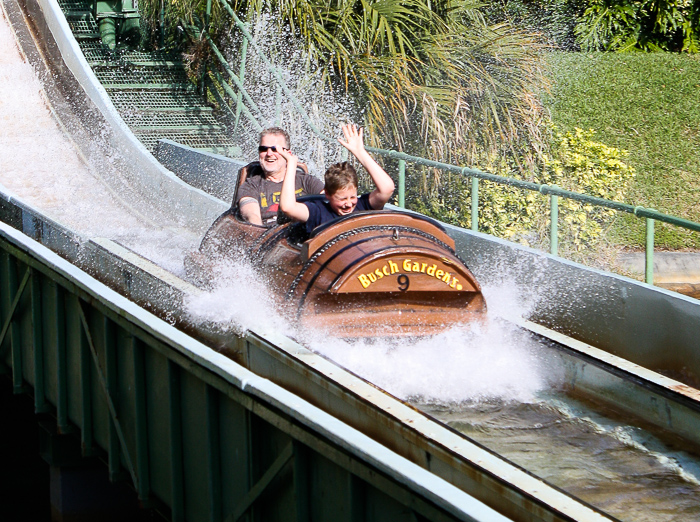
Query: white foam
x=490, y=361
x=239, y=300
x=493, y=361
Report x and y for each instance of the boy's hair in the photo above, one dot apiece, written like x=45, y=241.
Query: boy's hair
x=278, y=132
x=339, y=176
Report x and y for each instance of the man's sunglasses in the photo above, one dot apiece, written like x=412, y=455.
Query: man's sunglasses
x=265, y=148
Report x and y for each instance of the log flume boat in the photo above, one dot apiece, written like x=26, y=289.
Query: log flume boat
x=370, y=274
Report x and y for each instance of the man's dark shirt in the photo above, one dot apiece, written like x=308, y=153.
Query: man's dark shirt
x=267, y=192
x=320, y=211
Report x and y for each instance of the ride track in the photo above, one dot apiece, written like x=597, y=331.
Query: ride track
x=620, y=371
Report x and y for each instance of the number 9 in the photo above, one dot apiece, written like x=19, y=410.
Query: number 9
x=403, y=282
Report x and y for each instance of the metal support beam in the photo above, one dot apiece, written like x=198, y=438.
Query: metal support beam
x=59, y=316
x=40, y=403
x=86, y=432
x=7, y=326
x=213, y=454
x=109, y=387
x=140, y=414
x=177, y=475
x=260, y=486
x=301, y=481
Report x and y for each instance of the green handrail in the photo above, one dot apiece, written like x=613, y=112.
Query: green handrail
x=554, y=192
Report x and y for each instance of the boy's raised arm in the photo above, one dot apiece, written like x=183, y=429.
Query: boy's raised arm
x=288, y=201
x=382, y=181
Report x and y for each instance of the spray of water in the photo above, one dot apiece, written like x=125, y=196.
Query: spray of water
x=327, y=109
x=41, y=165
x=238, y=300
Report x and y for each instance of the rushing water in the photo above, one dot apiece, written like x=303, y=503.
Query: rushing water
x=619, y=468
x=491, y=382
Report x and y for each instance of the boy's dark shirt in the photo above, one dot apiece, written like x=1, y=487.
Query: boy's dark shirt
x=320, y=211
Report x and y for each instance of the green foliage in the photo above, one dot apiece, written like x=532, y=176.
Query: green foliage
x=554, y=20
x=608, y=25
x=576, y=162
x=580, y=164
x=648, y=25
x=431, y=76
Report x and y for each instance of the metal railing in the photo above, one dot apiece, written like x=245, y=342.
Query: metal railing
x=241, y=97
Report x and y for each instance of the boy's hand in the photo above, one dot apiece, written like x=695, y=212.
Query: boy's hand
x=353, y=139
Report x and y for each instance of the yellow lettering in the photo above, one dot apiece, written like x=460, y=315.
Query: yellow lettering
x=446, y=278
x=459, y=287
x=372, y=277
x=439, y=273
x=407, y=265
x=385, y=269
x=379, y=273
x=363, y=280
x=416, y=267
x=394, y=267
x=431, y=270
x=422, y=267
x=454, y=283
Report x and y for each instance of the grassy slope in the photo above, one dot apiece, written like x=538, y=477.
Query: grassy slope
x=649, y=105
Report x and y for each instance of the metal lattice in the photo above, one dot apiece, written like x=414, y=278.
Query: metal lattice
x=74, y=5
x=170, y=119
x=151, y=90
x=96, y=52
x=195, y=139
x=83, y=26
x=156, y=100
x=141, y=76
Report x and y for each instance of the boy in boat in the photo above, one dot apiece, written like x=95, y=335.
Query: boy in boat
x=340, y=187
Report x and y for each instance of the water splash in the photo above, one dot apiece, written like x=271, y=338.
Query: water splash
x=239, y=300
x=494, y=361
x=306, y=80
x=490, y=361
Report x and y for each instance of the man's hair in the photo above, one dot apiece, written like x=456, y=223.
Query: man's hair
x=339, y=176
x=276, y=131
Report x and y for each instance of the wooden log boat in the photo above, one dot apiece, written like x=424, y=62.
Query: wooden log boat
x=381, y=273
x=369, y=274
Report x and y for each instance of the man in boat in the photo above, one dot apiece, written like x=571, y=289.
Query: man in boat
x=258, y=196
x=340, y=187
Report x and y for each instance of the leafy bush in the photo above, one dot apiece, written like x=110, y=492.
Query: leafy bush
x=575, y=162
x=608, y=25
x=649, y=25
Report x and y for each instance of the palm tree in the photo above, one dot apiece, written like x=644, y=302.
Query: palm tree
x=435, y=79
x=429, y=68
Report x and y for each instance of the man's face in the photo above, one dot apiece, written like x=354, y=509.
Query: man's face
x=344, y=201
x=271, y=162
